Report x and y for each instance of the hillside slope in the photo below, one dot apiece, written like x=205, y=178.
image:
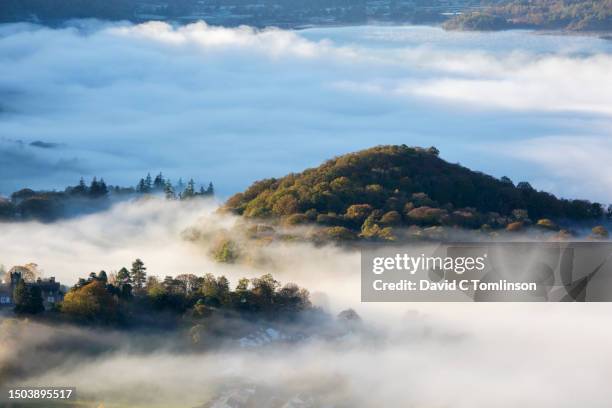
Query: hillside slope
x=573, y=15
x=389, y=186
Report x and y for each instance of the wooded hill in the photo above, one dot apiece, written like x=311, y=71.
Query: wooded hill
x=574, y=15
x=372, y=191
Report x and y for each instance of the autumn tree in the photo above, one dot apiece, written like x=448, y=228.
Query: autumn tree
x=243, y=285
x=264, y=288
x=91, y=302
x=189, y=282
x=292, y=298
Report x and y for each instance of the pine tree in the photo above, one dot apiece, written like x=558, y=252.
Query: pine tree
x=123, y=276
x=189, y=191
x=20, y=295
x=27, y=298
x=210, y=190
x=103, y=277
x=148, y=182
x=103, y=188
x=81, y=188
x=141, y=187
x=158, y=183
x=35, y=304
x=169, y=191
x=223, y=288
x=138, y=273
x=93, y=187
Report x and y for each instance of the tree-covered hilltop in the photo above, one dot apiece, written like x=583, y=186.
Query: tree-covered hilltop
x=129, y=309
x=370, y=192
x=129, y=297
x=83, y=198
x=576, y=15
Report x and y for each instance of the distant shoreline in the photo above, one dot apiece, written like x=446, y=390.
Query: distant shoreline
x=604, y=35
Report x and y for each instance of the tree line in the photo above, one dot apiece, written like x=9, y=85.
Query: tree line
x=577, y=15
x=130, y=295
x=180, y=190
x=27, y=204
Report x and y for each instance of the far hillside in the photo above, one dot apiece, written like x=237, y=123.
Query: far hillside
x=373, y=191
x=47, y=206
x=572, y=15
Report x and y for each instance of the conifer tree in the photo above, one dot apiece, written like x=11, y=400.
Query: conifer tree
x=103, y=277
x=138, y=273
x=169, y=191
x=103, y=187
x=148, y=182
x=81, y=188
x=98, y=188
x=189, y=191
x=141, y=187
x=123, y=276
x=94, y=187
x=27, y=299
x=158, y=183
x=210, y=190
x=20, y=295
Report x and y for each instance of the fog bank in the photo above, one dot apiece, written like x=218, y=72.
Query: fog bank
x=422, y=354
x=234, y=105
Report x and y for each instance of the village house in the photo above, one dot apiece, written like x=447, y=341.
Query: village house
x=50, y=289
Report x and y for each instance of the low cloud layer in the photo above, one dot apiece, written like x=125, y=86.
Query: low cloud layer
x=234, y=105
x=550, y=83
x=502, y=356
x=460, y=355
x=148, y=228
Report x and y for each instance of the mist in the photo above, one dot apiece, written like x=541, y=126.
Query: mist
x=417, y=354
x=504, y=356
x=234, y=105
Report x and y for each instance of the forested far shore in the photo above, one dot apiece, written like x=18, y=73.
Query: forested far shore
x=571, y=15
x=83, y=198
